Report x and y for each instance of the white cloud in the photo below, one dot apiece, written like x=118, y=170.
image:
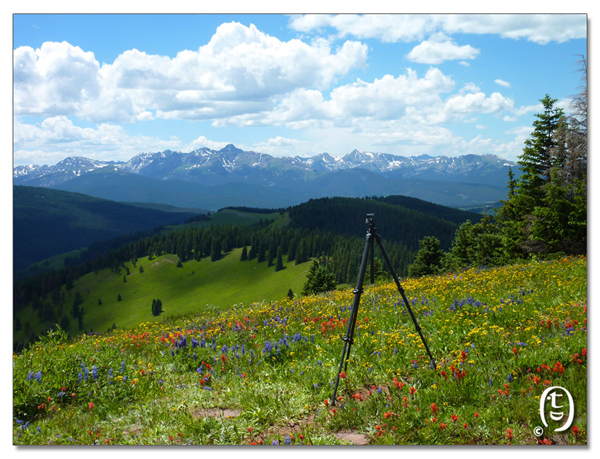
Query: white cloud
x=506, y=84
x=440, y=48
x=57, y=137
x=478, y=103
x=526, y=109
x=386, y=27
x=537, y=28
x=509, y=118
x=237, y=72
x=203, y=142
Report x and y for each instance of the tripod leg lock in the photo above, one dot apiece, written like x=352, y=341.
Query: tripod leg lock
x=357, y=290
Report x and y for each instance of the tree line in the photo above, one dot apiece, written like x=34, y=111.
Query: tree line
x=545, y=213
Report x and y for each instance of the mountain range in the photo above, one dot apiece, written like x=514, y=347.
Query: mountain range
x=213, y=179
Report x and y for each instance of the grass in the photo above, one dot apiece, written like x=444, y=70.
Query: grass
x=262, y=373
x=194, y=287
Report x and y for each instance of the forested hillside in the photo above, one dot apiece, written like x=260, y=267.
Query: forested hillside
x=49, y=222
x=329, y=229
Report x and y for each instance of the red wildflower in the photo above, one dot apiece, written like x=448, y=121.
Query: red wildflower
x=442, y=426
x=465, y=425
x=90, y=406
x=476, y=415
x=434, y=408
x=413, y=390
x=326, y=402
x=250, y=429
x=454, y=418
x=515, y=350
x=575, y=430
x=509, y=433
x=343, y=374
x=388, y=414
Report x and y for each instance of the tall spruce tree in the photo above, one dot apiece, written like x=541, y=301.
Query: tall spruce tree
x=279, y=263
x=536, y=160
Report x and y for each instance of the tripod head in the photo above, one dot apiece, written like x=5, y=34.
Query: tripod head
x=371, y=222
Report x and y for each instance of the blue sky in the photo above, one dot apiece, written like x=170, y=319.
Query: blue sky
x=112, y=86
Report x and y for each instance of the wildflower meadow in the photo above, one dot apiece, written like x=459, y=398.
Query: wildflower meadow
x=263, y=373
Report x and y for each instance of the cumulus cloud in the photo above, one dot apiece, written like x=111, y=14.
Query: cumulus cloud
x=537, y=28
x=58, y=137
x=203, y=142
x=408, y=99
x=238, y=71
x=506, y=84
x=440, y=48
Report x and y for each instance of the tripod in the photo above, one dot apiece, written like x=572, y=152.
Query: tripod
x=371, y=237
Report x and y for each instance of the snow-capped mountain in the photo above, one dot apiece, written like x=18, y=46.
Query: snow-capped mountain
x=231, y=164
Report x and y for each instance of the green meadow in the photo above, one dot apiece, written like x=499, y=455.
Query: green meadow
x=193, y=287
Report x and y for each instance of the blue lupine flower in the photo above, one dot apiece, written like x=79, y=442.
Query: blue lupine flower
x=123, y=366
x=510, y=378
x=95, y=372
x=490, y=382
x=380, y=390
x=38, y=376
x=287, y=440
x=29, y=376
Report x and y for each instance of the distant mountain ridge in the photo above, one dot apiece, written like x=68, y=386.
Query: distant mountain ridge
x=284, y=175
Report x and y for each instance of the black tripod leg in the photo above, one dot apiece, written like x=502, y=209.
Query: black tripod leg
x=349, y=337
x=401, y=290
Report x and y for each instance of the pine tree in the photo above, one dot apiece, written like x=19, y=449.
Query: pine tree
x=290, y=294
x=429, y=258
x=319, y=279
x=156, y=307
x=279, y=263
x=215, y=250
x=260, y=256
x=65, y=323
x=244, y=256
x=536, y=160
x=119, y=297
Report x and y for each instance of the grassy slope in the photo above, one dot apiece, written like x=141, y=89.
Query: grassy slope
x=509, y=333
x=181, y=290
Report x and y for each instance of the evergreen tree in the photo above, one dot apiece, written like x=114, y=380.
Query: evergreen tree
x=291, y=250
x=536, y=160
x=319, y=279
x=260, y=256
x=279, y=263
x=99, y=301
x=290, y=294
x=244, y=256
x=428, y=259
x=215, y=250
x=65, y=323
x=141, y=269
x=156, y=307
x=119, y=297
x=80, y=319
